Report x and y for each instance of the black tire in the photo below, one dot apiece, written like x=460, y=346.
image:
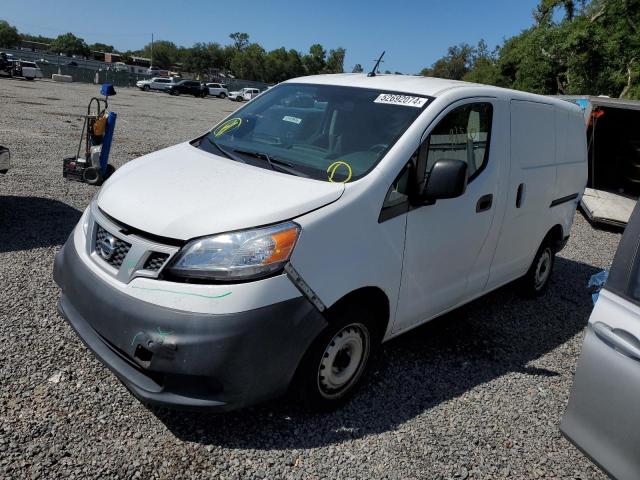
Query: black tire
x=175, y=92
x=351, y=333
x=222, y=95
x=92, y=176
x=146, y=88
x=239, y=98
x=29, y=78
x=536, y=281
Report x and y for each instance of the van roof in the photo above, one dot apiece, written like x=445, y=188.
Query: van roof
x=419, y=85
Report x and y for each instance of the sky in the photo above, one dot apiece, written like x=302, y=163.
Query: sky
x=413, y=33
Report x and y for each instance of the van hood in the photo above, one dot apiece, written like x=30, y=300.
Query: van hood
x=182, y=192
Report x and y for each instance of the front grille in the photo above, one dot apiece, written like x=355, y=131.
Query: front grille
x=121, y=248
x=155, y=261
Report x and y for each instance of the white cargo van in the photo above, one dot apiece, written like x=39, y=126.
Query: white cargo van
x=328, y=215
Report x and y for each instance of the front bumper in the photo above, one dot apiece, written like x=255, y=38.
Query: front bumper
x=181, y=359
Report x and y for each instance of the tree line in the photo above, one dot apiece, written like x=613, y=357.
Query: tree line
x=573, y=47
x=241, y=57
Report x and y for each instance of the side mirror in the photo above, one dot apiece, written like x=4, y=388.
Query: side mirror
x=448, y=179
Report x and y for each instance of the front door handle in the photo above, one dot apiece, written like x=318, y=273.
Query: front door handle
x=484, y=203
x=621, y=340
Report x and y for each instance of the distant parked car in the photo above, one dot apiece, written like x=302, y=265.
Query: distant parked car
x=71, y=64
x=218, y=90
x=157, y=72
x=156, y=83
x=27, y=70
x=244, y=94
x=190, y=87
x=120, y=67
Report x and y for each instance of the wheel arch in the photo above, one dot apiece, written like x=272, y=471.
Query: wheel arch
x=556, y=237
x=375, y=298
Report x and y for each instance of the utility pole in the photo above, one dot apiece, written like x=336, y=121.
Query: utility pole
x=151, y=66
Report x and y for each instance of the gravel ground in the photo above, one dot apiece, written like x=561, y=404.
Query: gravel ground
x=476, y=394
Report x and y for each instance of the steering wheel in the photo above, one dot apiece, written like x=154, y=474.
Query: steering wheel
x=378, y=146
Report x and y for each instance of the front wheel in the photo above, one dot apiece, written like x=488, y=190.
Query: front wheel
x=335, y=362
x=536, y=280
x=146, y=88
x=175, y=92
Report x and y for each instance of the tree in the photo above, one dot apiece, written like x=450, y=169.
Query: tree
x=249, y=63
x=483, y=67
x=35, y=38
x=454, y=65
x=314, y=62
x=197, y=59
x=102, y=47
x=544, y=11
x=165, y=53
x=357, y=68
x=240, y=40
x=69, y=44
x=9, y=36
x=216, y=53
x=275, y=65
x=335, y=61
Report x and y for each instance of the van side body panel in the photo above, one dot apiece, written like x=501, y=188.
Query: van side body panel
x=343, y=247
x=548, y=164
x=572, y=169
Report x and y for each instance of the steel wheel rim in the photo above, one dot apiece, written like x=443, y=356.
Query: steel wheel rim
x=343, y=360
x=543, y=269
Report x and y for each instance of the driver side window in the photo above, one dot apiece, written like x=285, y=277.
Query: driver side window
x=463, y=134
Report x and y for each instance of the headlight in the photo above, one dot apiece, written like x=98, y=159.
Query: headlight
x=84, y=219
x=239, y=255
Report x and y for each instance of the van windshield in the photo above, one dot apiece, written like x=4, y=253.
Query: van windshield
x=330, y=133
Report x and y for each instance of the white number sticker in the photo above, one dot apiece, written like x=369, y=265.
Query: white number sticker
x=295, y=120
x=406, y=100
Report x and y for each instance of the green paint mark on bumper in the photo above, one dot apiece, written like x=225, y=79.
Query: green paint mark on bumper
x=182, y=293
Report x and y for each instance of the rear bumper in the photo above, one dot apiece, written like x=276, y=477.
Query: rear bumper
x=182, y=359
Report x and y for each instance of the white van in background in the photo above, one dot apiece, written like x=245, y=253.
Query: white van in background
x=328, y=215
x=26, y=70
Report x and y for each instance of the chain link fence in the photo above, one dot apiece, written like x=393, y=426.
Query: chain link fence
x=88, y=75
x=86, y=70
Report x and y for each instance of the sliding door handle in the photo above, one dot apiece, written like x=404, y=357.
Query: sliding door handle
x=484, y=203
x=618, y=339
x=519, y=195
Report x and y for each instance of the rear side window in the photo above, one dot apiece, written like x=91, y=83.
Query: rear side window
x=463, y=134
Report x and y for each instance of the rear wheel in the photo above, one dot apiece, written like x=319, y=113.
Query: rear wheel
x=336, y=361
x=222, y=95
x=536, y=280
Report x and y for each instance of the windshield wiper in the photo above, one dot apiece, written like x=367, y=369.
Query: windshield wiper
x=273, y=162
x=224, y=151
